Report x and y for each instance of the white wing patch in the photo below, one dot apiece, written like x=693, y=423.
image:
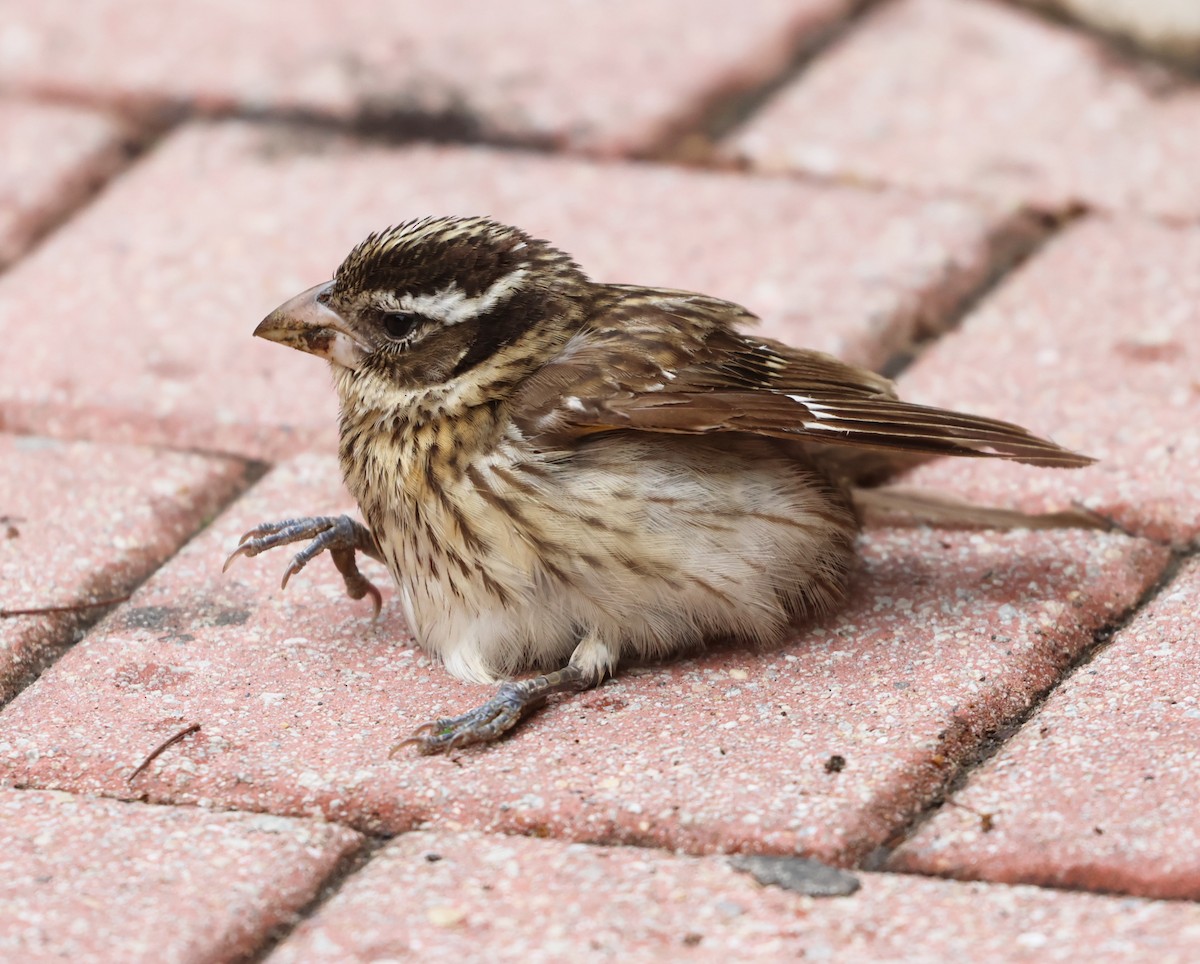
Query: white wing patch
x=775, y=363
x=818, y=410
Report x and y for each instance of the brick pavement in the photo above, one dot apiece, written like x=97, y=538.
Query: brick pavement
x=1008, y=202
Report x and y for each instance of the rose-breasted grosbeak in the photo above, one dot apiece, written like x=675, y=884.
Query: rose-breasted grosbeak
x=562, y=474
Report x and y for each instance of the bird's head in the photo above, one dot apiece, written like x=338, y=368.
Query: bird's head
x=436, y=300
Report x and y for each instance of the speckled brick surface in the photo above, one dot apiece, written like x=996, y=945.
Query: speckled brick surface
x=1133, y=715
x=85, y=879
x=299, y=696
x=52, y=156
x=980, y=97
x=445, y=897
x=892, y=162
x=613, y=76
x=185, y=255
x=1109, y=317
x=83, y=523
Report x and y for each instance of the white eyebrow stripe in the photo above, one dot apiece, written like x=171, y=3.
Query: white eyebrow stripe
x=451, y=306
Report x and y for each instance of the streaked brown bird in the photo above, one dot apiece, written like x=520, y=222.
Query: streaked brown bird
x=561, y=474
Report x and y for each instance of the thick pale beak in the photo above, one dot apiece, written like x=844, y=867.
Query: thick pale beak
x=306, y=323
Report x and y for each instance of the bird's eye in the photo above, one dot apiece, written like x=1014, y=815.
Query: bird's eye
x=400, y=324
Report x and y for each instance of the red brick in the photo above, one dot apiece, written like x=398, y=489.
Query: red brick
x=946, y=638
x=1094, y=342
x=621, y=75
x=52, y=157
x=189, y=251
x=445, y=897
x=1133, y=715
x=97, y=880
x=83, y=523
x=980, y=97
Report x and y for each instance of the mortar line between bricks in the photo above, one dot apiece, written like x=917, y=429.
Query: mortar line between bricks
x=136, y=140
x=716, y=116
x=150, y=124
x=1007, y=261
x=348, y=867
x=260, y=466
x=393, y=128
x=143, y=800
x=160, y=117
x=726, y=111
x=253, y=471
x=992, y=744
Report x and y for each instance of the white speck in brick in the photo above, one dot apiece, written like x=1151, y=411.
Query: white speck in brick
x=498, y=855
x=727, y=908
x=311, y=780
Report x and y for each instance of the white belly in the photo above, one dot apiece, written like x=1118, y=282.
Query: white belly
x=655, y=543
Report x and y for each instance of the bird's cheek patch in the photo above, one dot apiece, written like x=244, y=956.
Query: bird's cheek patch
x=337, y=346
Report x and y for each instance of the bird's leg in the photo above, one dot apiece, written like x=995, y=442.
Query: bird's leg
x=589, y=664
x=341, y=535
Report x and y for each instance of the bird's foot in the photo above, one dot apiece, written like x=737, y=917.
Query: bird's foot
x=341, y=535
x=498, y=715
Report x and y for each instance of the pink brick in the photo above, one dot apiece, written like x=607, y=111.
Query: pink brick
x=53, y=156
x=435, y=896
x=188, y=252
x=980, y=97
x=97, y=880
x=1094, y=343
x=1132, y=715
x=620, y=75
x=300, y=696
x=80, y=524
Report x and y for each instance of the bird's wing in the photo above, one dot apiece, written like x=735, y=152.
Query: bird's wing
x=665, y=361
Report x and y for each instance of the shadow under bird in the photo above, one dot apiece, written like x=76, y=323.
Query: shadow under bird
x=561, y=474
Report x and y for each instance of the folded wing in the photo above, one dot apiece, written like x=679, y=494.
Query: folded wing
x=667, y=361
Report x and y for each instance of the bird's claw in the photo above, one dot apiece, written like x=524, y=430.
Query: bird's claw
x=341, y=535
x=482, y=724
x=498, y=715
x=268, y=535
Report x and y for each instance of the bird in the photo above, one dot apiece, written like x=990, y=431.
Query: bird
x=562, y=475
